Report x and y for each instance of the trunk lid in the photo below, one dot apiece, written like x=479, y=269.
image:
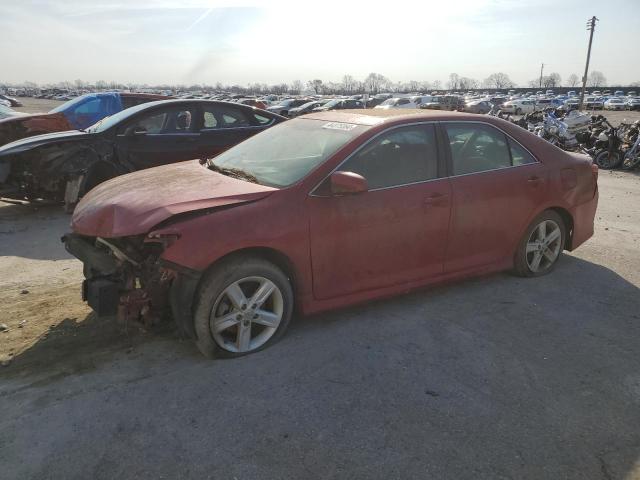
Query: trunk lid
x=133, y=204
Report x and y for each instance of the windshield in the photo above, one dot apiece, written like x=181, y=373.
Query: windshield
x=284, y=154
x=331, y=103
x=391, y=101
x=307, y=105
x=108, y=122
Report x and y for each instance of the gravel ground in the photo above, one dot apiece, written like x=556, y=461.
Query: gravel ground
x=498, y=377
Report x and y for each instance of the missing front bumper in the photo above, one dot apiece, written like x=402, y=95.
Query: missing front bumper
x=102, y=295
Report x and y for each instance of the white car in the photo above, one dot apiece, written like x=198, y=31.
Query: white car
x=615, y=103
x=399, y=102
x=519, y=106
x=7, y=112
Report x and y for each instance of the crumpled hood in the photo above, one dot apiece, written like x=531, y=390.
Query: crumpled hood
x=28, y=143
x=133, y=204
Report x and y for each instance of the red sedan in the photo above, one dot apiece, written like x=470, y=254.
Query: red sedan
x=324, y=211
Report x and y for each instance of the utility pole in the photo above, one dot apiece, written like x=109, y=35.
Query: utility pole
x=591, y=25
x=541, y=68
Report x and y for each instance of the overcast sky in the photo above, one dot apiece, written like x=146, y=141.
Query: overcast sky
x=206, y=41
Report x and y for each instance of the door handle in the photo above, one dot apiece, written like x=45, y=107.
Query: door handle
x=534, y=181
x=436, y=200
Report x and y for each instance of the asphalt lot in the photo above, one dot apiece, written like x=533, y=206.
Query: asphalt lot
x=497, y=377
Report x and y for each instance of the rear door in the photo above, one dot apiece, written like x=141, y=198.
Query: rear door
x=159, y=136
x=223, y=126
x=497, y=185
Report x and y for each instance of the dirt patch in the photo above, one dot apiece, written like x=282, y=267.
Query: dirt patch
x=51, y=328
x=37, y=105
x=33, y=315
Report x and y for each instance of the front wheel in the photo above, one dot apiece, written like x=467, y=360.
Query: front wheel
x=541, y=245
x=518, y=111
x=606, y=160
x=244, y=305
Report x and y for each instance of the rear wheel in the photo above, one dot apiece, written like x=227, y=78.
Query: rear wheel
x=541, y=245
x=244, y=305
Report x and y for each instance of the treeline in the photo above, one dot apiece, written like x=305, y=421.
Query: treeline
x=372, y=84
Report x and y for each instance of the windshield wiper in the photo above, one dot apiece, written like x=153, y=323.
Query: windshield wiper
x=232, y=172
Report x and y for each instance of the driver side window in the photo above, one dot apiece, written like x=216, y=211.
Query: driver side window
x=176, y=120
x=151, y=124
x=401, y=156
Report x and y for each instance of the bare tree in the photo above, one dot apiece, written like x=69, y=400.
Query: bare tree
x=467, y=83
x=375, y=82
x=552, y=80
x=413, y=86
x=348, y=84
x=454, y=81
x=572, y=80
x=498, y=80
x=315, y=85
x=597, y=79
x=437, y=85
x=296, y=87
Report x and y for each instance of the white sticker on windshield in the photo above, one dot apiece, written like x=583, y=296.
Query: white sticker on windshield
x=340, y=126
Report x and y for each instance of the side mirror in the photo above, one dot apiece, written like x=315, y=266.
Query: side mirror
x=347, y=183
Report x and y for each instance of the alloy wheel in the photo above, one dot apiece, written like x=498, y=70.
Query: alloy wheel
x=246, y=314
x=544, y=246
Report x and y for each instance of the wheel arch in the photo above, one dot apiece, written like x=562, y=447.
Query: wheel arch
x=278, y=258
x=184, y=290
x=567, y=218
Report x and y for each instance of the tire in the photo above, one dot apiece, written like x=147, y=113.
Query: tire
x=518, y=111
x=214, y=302
x=98, y=172
x=606, y=161
x=525, y=257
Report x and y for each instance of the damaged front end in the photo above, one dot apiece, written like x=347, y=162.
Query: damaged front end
x=51, y=169
x=126, y=278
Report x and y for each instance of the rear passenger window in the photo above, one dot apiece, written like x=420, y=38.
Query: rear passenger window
x=223, y=117
x=261, y=119
x=399, y=157
x=519, y=155
x=477, y=148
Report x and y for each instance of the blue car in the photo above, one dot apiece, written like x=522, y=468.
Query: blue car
x=76, y=114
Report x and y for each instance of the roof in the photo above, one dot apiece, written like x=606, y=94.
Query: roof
x=145, y=95
x=376, y=116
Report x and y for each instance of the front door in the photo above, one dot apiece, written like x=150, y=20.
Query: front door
x=160, y=136
x=392, y=234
